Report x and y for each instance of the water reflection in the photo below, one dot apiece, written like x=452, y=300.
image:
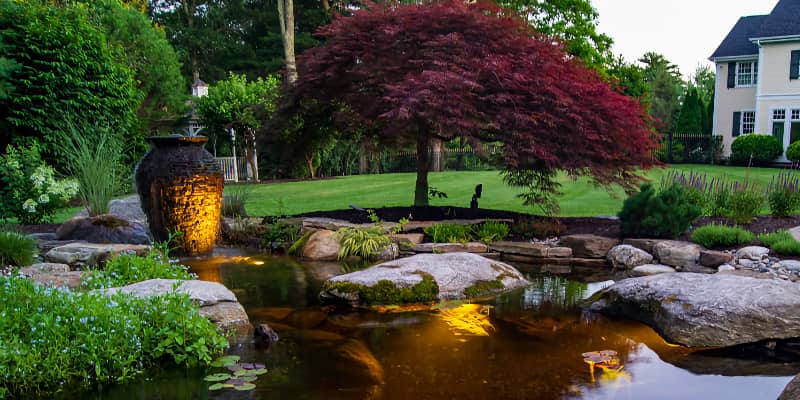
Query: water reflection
x=526, y=344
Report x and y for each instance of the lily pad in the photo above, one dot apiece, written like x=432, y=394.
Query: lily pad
x=241, y=372
x=248, y=378
x=225, y=361
x=234, y=367
x=218, y=386
x=235, y=381
x=247, y=365
x=246, y=386
x=217, y=377
x=260, y=371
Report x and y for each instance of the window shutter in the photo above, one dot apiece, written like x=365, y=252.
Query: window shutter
x=737, y=121
x=731, y=74
x=794, y=66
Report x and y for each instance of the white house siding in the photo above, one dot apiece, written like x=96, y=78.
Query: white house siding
x=728, y=101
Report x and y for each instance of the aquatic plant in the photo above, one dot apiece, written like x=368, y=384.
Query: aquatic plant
x=240, y=376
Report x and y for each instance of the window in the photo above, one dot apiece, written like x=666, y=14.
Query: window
x=748, y=122
x=746, y=73
x=778, y=123
x=795, y=115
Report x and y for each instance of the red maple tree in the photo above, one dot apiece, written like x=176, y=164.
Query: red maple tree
x=412, y=73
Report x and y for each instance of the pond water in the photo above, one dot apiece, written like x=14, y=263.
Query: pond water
x=526, y=344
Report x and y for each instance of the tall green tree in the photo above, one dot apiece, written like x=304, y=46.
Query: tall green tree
x=147, y=52
x=67, y=71
x=691, y=117
x=665, y=88
x=574, y=22
x=629, y=79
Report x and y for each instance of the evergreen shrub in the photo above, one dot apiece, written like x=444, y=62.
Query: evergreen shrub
x=651, y=213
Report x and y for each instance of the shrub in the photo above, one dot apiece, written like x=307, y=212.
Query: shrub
x=718, y=202
x=491, y=231
x=793, y=152
x=94, y=157
x=55, y=339
x=666, y=213
x=780, y=242
x=16, y=249
x=745, y=203
x=783, y=195
x=712, y=236
x=755, y=149
x=662, y=154
x=280, y=232
x=125, y=269
x=29, y=190
x=449, y=233
x=362, y=242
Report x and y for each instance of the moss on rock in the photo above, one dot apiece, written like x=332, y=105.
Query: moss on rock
x=480, y=288
x=386, y=292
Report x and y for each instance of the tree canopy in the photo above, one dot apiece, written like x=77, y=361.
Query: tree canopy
x=413, y=73
x=64, y=70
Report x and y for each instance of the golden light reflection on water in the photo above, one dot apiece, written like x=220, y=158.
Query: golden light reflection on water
x=468, y=319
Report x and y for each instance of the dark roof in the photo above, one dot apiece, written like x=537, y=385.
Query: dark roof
x=784, y=20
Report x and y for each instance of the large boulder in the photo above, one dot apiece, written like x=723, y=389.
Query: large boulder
x=216, y=302
x=104, y=229
x=626, y=256
x=589, y=246
x=422, y=278
x=714, y=258
x=706, y=310
x=322, y=245
x=127, y=208
x=792, y=390
x=754, y=253
x=683, y=255
x=78, y=255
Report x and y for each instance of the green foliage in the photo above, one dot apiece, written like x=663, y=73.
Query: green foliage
x=125, y=269
x=29, y=190
x=793, y=152
x=298, y=245
x=745, y=203
x=67, y=71
x=784, y=202
x=665, y=86
x=280, y=232
x=781, y=242
x=483, y=287
x=56, y=339
x=491, y=231
x=666, y=213
x=755, y=149
x=690, y=118
x=93, y=156
x=235, y=199
x=713, y=236
x=385, y=292
x=362, y=242
x=16, y=249
x=449, y=233
x=663, y=151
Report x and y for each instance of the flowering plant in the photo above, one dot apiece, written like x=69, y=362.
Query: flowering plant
x=30, y=191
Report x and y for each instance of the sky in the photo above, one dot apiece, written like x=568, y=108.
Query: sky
x=686, y=32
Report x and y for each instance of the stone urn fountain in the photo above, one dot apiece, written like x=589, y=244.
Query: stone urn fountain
x=180, y=187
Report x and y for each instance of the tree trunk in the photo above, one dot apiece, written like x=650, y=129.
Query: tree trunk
x=423, y=166
x=286, y=16
x=310, y=164
x=363, y=160
x=326, y=5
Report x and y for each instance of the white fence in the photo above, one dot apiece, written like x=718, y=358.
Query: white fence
x=237, y=168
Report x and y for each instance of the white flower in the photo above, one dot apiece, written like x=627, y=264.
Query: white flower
x=44, y=199
x=29, y=206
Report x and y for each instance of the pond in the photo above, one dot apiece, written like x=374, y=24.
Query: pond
x=526, y=344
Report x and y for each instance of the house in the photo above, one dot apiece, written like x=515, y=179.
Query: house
x=758, y=77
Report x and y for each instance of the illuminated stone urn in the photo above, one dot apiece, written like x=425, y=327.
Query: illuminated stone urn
x=180, y=186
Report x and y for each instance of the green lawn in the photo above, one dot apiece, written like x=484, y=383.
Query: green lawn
x=580, y=198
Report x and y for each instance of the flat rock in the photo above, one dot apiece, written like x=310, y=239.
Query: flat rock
x=332, y=224
x=204, y=293
x=69, y=279
x=407, y=239
x=128, y=208
x=651, y=269
x=589, y=246
x=43, y=268
x=452, y=272
x=791, y=265
x=78, y=255
x=469, y=247
x=531, y=249
x=625, y=256
x=699, y=310
x=752, y=252
x=677, y=254
x=644, y=244
x=714, y=258
x=322, y=245
x=104, y=229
